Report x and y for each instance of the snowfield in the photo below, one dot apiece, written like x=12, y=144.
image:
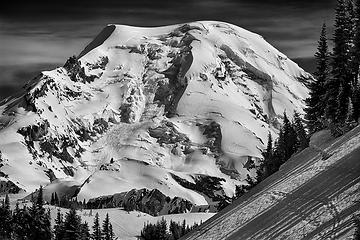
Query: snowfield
x=171, y=108
x=128, y=225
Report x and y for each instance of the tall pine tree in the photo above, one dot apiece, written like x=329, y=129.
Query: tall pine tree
x=303, y=139
x=96, y=228
x=316, y=101
x=339, y=85
x=356, y=64
x=356, y=41
x=72, y=226
x=59, y=226
x=41, y=222
x=290, y=139
x=5, y=219
x=106, y=231
x=85, y=232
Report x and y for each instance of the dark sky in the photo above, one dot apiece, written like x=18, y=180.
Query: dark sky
x=38, y=35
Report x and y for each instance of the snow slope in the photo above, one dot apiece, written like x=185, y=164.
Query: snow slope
x=142, y=105
x=128, y=225
x=309, y=198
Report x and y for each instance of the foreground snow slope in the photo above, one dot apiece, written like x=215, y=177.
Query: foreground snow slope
x=162, y=108
x=309, y=198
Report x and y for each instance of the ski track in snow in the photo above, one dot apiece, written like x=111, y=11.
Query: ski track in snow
x=318, y=211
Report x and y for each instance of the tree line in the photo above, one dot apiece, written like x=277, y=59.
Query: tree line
x=34, y=223
x=334, y=97
x=292, y=138
x=334, y=100
x=160, y=230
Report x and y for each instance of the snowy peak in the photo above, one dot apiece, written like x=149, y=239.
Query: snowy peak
x=171, y=108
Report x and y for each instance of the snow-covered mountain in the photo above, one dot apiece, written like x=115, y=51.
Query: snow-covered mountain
x=184, y=109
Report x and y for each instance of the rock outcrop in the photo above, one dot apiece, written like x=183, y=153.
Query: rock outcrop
x=148, y=201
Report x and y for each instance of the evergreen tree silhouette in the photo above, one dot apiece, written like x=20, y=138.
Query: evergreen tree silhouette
x=316, y=101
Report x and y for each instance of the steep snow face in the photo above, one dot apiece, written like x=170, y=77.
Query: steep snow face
x=171, y=108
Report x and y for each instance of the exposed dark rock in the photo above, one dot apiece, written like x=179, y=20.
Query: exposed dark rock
x=50, y=174
x=68, y=171
x=126, y=111
x=167, y=133
x=8, y=187
x=58, y=148
x=100, y=64
x=250, y=164
x=207, y=185
x=83, y=134
x=171, y=89
x=71, y=93
x=183, y=29
x=212, y=131
x=100, y=125
x=148, y=201
x=76, y=72
x=34, y=132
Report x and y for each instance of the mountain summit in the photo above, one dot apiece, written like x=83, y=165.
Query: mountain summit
x=184, y=109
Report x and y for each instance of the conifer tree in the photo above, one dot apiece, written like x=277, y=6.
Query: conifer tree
x=52, y=200
x=72, y=226
x=162, y=229
x=84, y=232
x=175, y=230
x=279, y=151
x=22, y=224
x=96, y=228
x=106, y=228
x=351, y=16
x=5, y=219
x=316, y=101
x=356, y=64
x=303, y=139
x=269, y=147
x=267, y=166
x=339, y=86
x=17, y=222
x=41, y=222
x=290, y=139
x=56, y=199
x=40, y=199
x=356, y=102
x=112, y=235
x=58, y=227
x=356, y=51
x=183, y=228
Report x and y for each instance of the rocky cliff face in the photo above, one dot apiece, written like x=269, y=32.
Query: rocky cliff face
x=152, y=202
x=168, y=108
